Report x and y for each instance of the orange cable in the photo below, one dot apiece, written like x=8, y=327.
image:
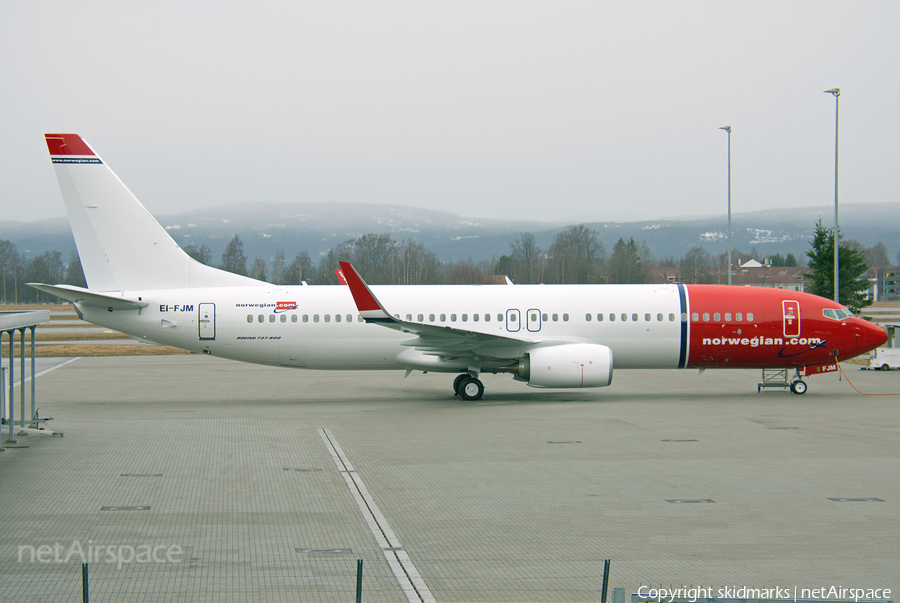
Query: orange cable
x=840, y=368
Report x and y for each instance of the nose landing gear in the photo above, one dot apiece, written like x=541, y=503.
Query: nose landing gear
x=780, y=378
x=798, y=387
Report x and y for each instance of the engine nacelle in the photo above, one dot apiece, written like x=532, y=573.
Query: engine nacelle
x=568, y=365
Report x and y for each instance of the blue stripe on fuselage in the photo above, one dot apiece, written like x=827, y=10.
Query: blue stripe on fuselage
x=682, y=355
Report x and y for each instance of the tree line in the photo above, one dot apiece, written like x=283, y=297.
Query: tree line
x=576, y=255
x=48, y=267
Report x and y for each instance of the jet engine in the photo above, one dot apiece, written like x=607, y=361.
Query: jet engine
x=567, y=365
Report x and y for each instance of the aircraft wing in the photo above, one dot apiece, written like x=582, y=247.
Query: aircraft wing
x=437, y=340
x=79, y=295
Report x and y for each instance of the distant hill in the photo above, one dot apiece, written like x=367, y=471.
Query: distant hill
x=316, y=227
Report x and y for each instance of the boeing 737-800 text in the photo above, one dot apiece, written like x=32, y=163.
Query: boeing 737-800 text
x=141, y=283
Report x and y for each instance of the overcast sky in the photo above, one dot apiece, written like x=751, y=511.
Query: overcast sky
x=556, y=110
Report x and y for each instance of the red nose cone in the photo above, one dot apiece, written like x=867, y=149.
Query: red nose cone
x=874, y=336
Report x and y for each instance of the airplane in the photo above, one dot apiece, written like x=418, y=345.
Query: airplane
x=140, y=282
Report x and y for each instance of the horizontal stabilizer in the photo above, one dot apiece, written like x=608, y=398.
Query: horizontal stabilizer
x=77, y=295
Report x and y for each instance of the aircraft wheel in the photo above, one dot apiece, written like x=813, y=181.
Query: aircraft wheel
x=471, y=389
x=798, y=387
x=458, y=381
x=885, y=367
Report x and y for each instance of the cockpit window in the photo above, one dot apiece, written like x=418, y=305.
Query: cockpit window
x=837, y=314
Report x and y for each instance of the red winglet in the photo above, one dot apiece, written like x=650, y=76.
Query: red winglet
x=365, y=301
x=67, y=144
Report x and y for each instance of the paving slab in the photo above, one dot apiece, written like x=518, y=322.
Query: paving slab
x=674, y=476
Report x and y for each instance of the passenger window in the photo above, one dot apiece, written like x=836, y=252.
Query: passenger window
x=271, y=318
x=659, y=317
x=612, y=318
x=750, y=314
x=706, y=317
x=728, y=317
x=545, y=317
x=328, y=318
x=672, y=317
x=739, y=317
x=249, y=318
x=284, y=318
x=475, y=317
x=409, y=318
x=534, y=317
x=634, y=317
x=717, y=317
x=443, y=318
x=695, y=317
x=512, y=317
x=499, y=317
x=565, y=318
x=647, y=317
x=306, y=318
x=431, y=318
x=555, y=317
x=465, y=318
x=293, y=318
x=337, y=318
x=261, y=318
x=349, y=318
x=599, y=317
x=587, y=317
x=315, y=318
x=684, y=317
x=453, y=318
x=421, y=318
x=487, y=317
x=624, y=317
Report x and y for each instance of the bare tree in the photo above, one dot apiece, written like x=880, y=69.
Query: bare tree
x=9, y=267
x=277, y=266
x=298, y=270
x=576, y=256
x=527, y=260
x=258, y=269
x=233, y=258
x=695, y=266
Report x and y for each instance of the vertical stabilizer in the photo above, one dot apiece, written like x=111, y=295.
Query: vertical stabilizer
x=122, y=247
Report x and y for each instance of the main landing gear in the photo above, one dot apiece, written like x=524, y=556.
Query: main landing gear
x=468, y=387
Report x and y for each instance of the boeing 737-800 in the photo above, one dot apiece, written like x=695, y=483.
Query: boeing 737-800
x=140, y=282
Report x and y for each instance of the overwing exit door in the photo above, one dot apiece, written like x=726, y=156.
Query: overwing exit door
x=513, y=321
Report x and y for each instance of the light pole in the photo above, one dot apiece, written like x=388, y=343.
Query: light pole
x=728, y=129
x=837, y=105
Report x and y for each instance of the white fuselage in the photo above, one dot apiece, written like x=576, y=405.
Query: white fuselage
x=320, y=327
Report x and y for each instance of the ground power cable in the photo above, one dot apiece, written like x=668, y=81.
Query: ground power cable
x=840, y=368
